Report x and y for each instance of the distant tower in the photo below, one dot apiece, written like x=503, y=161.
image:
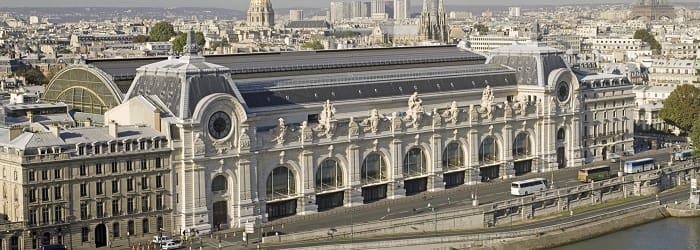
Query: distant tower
x=433, y=21
x=379, y=9
x=261, y=14
x=401, y=9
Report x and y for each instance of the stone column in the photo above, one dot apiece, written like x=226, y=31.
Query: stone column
x=247, y=173
x=436, y=179
x=308, y=201
x=354, y=194
x=507, y=168
x=396, y=190
x=472, y=173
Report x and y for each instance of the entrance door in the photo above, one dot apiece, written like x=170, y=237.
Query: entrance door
x=605, y=153
x=561, y=157
x=281, y=209
x=100, y=235
x=373, y=193
x=489, y=173
x=416, y=186
x=522, y=167
x=329, y=201
x=453, y=179
x=220, y=212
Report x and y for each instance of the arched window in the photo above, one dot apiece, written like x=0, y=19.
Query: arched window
x=453, y=156
x=218, y=184
x=280, y=183
x=561, y=134
x=414, y=163
x=373, y=169
x=521, y=146
x=488, y=150
x=329, y=176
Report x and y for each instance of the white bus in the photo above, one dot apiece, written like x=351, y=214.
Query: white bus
x=528, y=186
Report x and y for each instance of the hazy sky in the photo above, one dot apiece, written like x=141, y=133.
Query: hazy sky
x=243, y=4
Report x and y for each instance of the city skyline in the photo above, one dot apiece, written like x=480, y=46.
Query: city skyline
x=243, y=4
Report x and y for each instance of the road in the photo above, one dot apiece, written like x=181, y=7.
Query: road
x=457, y=197
x=664, y=198
x=451, y=198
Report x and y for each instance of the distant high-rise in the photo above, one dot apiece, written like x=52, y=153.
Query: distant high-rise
x=360, y=8
x=514, y=11
x=340, y=11
x=433, y=21
x=261, y=14
x=401, y=9
x=296, y=15
x=378, y=9
x=652, y=10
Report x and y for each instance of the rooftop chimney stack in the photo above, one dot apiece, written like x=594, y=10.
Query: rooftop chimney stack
x=113, y=129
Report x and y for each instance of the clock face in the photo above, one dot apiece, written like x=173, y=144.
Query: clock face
x=219, y=125
x=563, y=91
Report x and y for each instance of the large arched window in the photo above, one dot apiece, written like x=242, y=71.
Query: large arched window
x=329, y=176
x=453, y=156
x=521, y=146
x=280, y=183
x=414, y=163
x=373, y=169
x=488, y=150
x=218, y=184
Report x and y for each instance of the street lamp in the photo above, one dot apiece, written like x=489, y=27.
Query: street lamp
x=432, y=209
x=352, y=214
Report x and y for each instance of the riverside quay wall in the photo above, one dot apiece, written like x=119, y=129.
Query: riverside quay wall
x=517, y=210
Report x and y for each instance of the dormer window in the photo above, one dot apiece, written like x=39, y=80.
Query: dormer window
x=81, y=150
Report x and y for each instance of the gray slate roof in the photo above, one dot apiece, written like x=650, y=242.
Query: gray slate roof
x=291, y=90
x=125, y=69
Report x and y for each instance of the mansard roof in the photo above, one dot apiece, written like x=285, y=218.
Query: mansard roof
x=290, y=90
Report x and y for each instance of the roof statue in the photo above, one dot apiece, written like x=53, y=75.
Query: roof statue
x=415, y=110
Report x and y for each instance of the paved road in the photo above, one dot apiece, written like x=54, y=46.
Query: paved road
x=664, y=198
x=458, y=197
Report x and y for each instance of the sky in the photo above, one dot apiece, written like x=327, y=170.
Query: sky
x=243, y=4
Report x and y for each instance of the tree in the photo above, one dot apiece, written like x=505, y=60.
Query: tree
x=695, y=134
x=33, y=76
x=682, y=107
x=181, y=40
x=141, y=39
x=313, y=45
x=481, y=28
x=162, y=32
x=648, y=38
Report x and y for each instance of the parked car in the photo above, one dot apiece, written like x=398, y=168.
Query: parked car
x=173, y=244
x=53, y=247
x=272, y=233
x=161, y=239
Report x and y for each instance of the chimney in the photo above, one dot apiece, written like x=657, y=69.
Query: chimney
x=55, y=130
x=30, y=116
x=113, y=129
x=156, y=121
x=87, y=122
x=15, y=131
